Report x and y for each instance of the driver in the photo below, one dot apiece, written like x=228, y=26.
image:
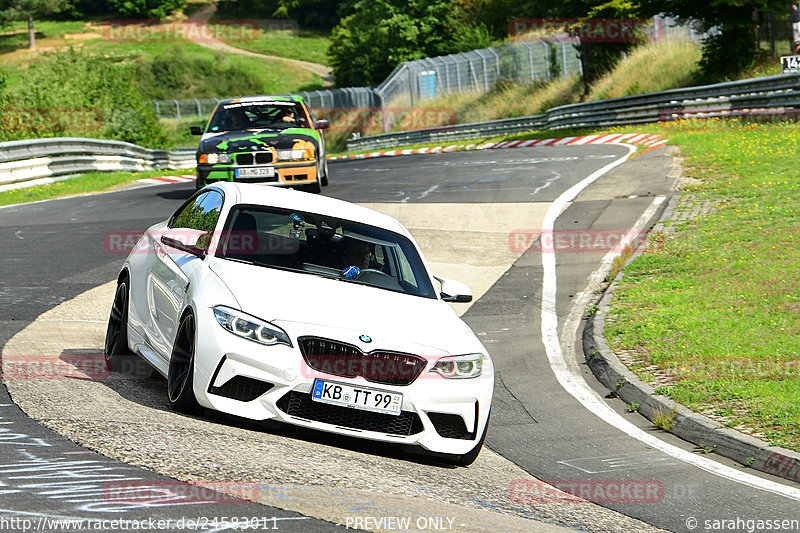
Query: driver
x=238, y=119
x=288, y=115
x=355, y=253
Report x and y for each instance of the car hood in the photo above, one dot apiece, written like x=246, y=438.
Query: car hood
x=257, y=139
x=306, y=304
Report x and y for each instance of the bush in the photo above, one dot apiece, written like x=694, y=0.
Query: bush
x=75, y=82
x=174, y=73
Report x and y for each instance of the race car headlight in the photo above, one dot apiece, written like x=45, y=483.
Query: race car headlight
x=250, y=327
x=288, y=155
x=460, y=366
x=213, y=159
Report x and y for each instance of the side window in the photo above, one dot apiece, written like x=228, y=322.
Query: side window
x=406, y=272
x=200, y=214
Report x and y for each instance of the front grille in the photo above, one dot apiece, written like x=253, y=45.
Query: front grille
x=258, y=158
x=341, y=359
x=450, y=426
x=302, y=406
x=241, y=388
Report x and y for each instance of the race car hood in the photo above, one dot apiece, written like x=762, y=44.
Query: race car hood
x=250, y=140
x=305, y=304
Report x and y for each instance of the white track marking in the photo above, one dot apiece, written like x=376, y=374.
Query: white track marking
x=575, y=385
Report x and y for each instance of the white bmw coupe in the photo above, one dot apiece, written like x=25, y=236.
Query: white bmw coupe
x=276, y=304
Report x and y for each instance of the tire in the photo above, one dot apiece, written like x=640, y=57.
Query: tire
x=180, y=377
x=199, y=183
x=116, y=344
x=324, y=177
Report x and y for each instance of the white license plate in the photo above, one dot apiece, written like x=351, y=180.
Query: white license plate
x=259, y=172
x=362, y=398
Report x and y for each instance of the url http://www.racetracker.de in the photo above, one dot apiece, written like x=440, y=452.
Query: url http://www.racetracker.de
x=198, y=523
x=739, y=524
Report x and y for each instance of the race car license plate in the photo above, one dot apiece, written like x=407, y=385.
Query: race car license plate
x=259, y=172
x=374, y=400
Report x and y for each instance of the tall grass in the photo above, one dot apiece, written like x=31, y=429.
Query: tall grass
x=651, y=67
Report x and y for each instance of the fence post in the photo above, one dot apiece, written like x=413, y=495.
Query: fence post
x=514, y=56
x=177, y=109
x=548, y=67
x=199, y=111
x=497, y=58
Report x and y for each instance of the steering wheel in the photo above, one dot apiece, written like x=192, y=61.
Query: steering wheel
x=370, y=271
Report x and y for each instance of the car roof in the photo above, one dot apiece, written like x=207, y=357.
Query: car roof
x=259, y=98
x=267, y=195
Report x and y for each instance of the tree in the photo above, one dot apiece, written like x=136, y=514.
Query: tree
x=731, y=43
x=13, y=10
x=380, y=34
x=148, y=9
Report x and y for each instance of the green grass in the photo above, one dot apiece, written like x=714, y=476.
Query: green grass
x=15, y=35
x=205, y=73
x=304, y=45
x=715, y=303
x=197, y=72
x=87, y=183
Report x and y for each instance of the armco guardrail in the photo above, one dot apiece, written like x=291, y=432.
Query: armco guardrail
x=774, y=93
x=33, y=159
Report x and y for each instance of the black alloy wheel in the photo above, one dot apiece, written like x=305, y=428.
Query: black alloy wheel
x=117, y=331
x=180, y=377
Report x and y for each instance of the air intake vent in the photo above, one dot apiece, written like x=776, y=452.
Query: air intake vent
x=450, y=426
x=241, y=388
x=302, y=406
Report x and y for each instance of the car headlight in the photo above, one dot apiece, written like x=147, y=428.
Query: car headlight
x=288, y=155
x=250, y=327
x=459, y=366
x=213, y=159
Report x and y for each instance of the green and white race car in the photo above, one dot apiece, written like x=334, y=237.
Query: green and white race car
x=274, y=140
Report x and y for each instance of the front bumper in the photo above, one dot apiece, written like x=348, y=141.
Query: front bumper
x=249, y=380
x=286, y=174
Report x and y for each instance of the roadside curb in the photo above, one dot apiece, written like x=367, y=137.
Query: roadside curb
x=160, y=180
x=707, y=434
x=652, y=141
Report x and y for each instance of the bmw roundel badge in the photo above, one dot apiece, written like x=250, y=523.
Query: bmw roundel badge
x=365, y=338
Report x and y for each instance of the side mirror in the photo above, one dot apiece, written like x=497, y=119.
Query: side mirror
x=196, y=130
x=191, y=241
x=454, y=291
x=323, y=124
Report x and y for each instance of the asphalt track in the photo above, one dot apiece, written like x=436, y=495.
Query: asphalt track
x=54, y=251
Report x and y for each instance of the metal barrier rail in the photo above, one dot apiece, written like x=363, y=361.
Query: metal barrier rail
x=725, y=99
x=33, y=159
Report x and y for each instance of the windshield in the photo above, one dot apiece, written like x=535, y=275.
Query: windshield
x=266, y=114
x=320, y=245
